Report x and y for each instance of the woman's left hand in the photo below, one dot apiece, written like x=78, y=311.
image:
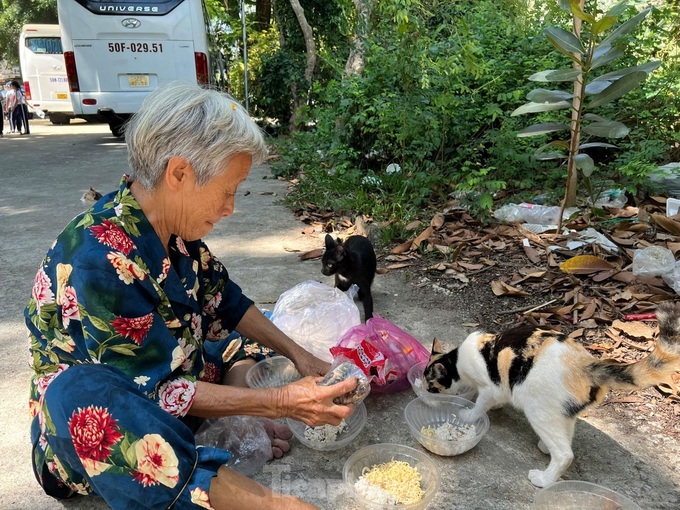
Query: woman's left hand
x=308, y=364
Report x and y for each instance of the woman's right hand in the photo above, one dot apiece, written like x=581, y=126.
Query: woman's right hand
x=306, y=401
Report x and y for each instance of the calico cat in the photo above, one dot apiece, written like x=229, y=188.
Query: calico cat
x=90, y=197
x=550, y=377
x=351, y=261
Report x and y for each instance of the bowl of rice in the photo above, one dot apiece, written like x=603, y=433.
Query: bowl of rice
x=575, y=494
x=419, y=385
x=330, y=437
x=440, y=424
x=387, y=476
x=272, y=372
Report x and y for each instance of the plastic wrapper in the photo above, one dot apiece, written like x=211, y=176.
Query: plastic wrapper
x=342, y=369
x=531, y=213
x=653, y=261
x=384, y=352
x=316, y=316
x=243, y=436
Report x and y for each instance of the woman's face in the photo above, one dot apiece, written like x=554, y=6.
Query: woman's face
x=205, y=205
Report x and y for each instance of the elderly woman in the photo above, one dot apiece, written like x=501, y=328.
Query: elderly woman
x=137, y=332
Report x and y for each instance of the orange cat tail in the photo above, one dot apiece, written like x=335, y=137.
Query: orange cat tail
x=663, y=362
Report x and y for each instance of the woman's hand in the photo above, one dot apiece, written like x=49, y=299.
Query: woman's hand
x=308, y=364
x=306, y=401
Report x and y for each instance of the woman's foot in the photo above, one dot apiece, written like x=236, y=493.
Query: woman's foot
x=279, y=434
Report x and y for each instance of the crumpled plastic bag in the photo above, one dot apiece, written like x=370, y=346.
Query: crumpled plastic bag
x=342, y=369
x=316, y=316
x=383, y=351
x=243, y=436
x=653, y=261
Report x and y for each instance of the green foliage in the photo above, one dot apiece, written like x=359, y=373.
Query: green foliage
x=16, y=13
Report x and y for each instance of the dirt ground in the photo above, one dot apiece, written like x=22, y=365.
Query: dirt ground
x=643, y=410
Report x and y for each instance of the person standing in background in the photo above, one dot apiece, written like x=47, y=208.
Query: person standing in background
x=8, y=106
x=20, y=115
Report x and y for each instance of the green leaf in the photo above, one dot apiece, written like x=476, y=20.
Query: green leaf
x=564, y=41
x=99, y=324
x=597, y=144
x=627, y=27
x=540, y=107
x=618, y=88
x=556, y=75
x=603, y=24
x=618, y=9
x=596, y=87
x=548, y=96
x=125, y=350
x=605, y=57
x=545, y=154
x=86, y=221
x=595, y=118
x=608, y=129
x=647, y=67
x=576, y=11
x=542, y=129
x=128, y=452
x=584, y=163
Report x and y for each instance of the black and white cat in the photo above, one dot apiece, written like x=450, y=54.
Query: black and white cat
x=351, y=261
x=549, y=377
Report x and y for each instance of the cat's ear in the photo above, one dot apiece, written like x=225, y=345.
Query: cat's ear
x=437, y=347
x=330, y=243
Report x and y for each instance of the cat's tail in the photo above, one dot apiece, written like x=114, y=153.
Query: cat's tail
x=655, y=368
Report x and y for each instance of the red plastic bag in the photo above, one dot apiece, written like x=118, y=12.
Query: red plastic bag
x=383, y=351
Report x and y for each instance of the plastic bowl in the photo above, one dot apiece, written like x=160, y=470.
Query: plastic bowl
x=437, y=410
x=415, y=377
x=355, y=424
x=272, y=372
x=370, y=456
x=577, y=495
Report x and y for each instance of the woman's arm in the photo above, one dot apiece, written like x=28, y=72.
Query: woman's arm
x=256, y=326
x=302, y=400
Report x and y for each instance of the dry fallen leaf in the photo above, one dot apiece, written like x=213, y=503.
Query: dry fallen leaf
x=634, y=329
x=585, y=264
x=424, y=235
x=312, y=254
x=437, y=220
x=402, y=248
x=413, y=225
x=500, y=288
x=667, y=224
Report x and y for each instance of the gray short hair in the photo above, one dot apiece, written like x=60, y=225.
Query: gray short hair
x=203, y=126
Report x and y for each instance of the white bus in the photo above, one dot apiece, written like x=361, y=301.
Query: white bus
x=118, y=51
x=44, y=72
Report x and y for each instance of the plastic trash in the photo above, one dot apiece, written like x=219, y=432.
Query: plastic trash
x=590, y=235
x=672, y=278
x=532, y=213
x=243, y=436
x=668, y=177
x=653, y=261
x=316, y=316
x=672, y=206
x=614, y=198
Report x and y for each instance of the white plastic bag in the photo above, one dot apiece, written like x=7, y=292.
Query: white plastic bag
x=243, y=436
x=316, y=316
x=653, y=261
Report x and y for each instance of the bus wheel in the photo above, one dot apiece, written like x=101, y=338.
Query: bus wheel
x=117, y=130
x=56, y=118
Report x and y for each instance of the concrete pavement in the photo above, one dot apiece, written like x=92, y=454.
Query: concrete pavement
x=43, y=177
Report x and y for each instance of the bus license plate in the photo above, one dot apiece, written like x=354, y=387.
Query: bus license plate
x=61, y=95
x=138, y=81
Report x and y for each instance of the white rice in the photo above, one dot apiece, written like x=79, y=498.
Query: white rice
x=450, y=432
x=374, y=493
x=325, y=433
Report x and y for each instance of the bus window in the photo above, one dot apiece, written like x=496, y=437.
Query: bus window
x=44, y=45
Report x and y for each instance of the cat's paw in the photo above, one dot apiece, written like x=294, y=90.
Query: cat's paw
x=543, y=447
x=540, y=478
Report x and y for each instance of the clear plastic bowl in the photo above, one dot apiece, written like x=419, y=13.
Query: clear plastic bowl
x=272, y=372
x=437, y=410
x=355, y=424
x=369, y=456
x=577, y=495
x=415, y=377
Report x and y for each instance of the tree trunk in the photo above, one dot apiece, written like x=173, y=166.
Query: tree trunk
x=355, y=62
x=263, y=14
x=311, y=58
x=575, y=140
